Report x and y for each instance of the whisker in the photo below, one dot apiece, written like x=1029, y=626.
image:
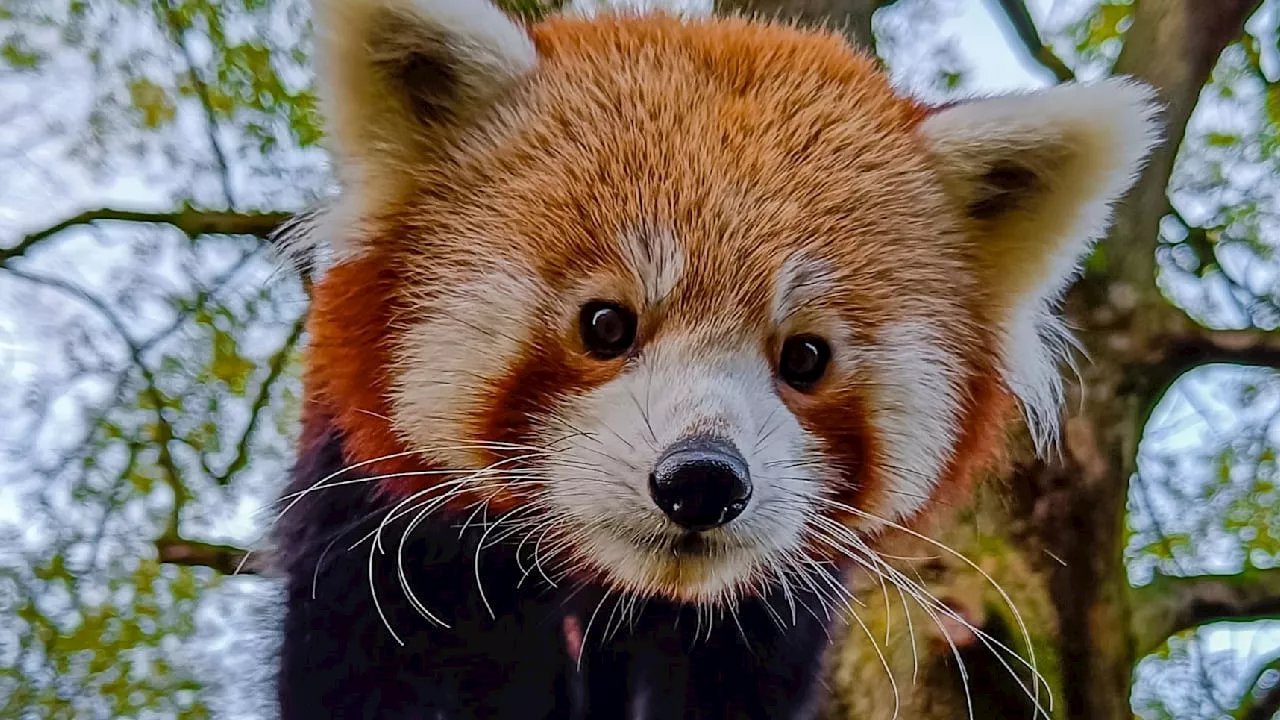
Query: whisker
x=297, y=497
x=643, y=416
x=404, y=581
x=928, y=602
x=1026, y=635
x=587, y=632
x=377, y=605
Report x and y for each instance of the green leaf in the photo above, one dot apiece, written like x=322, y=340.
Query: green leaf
x=1222, y=140
x=17, y=54
x=152, y=102
x=229, y=365
x=1108, y=24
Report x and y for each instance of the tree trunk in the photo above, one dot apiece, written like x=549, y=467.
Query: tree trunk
x=1076, y=507
x=1060, y=534
x=852, y=17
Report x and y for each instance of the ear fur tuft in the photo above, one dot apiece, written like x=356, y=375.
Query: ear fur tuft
x=395, y=74
x=1036, y=176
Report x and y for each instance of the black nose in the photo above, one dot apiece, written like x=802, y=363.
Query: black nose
x=701, y=483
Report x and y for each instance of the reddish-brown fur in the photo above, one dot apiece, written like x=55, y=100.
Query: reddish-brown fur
x=748, y=141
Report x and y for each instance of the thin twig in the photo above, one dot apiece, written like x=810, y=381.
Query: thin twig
x=276, y=366
x=190, y=221
x=1025, y=28
x=226, y=559
x=178, y=33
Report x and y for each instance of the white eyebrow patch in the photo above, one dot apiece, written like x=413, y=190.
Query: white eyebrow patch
x=656, y=258
x=801, y=280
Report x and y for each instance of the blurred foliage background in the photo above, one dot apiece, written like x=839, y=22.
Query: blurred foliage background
x=149, y=341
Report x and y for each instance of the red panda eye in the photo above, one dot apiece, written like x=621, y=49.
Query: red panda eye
x=804, y=360
x=608, y=330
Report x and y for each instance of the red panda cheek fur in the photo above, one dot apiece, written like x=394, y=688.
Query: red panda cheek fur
x=546, y=370
x=349, y=361
x=986, y=415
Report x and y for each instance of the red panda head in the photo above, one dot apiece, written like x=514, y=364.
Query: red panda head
x=706, y=297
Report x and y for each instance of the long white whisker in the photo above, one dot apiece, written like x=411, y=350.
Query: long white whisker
x=373, y=590
x=928, y=603
x=587, y=632
x=404, y=580
x=364, y=463
x=1013, y=608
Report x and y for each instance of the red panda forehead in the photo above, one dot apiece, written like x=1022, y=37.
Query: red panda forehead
x=698, y=160
x=732, y=53
x=746, y=144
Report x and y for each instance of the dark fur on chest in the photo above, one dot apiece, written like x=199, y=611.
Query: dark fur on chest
x=338, y=659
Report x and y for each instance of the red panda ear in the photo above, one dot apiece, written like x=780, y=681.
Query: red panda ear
x=392, y=73
x=1035, y=176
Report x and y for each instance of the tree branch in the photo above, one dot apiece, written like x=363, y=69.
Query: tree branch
x=1173, y=45
x=276, y=366
x=175, y=26
x=1264, y=705
x=226, y=559
x=1025, y=28
x=852, y=17
x=1169, y=605
x=1179, y=344
x=163, y=432
x=190, y=221
x=1238, y=347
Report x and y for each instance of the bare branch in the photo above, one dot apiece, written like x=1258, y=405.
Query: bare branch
x=226, y=559
x=1169, y=605
x=1264, y=705
x=1238, y=347
x=1025, y=28
x=852, y=17
x=276, y=366
x=1182, y=345
x=163, y=432
x=174, y=24
x=189, y=220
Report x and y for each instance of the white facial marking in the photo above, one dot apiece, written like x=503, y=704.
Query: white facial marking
x=452, y=358
x=801, y=282
x=914, y=409
x=676, y=390
x=656, y=258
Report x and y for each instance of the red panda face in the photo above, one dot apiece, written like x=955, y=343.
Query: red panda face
x=702, y=303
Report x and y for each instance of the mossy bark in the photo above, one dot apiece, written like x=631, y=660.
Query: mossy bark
x=1000, y=594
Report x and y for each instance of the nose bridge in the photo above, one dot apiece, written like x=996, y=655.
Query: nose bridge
x=709, y=390
x=707, y=410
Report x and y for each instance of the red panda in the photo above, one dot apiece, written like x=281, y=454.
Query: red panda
x=659, y=315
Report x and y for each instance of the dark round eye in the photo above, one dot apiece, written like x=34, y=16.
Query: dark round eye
x=608, y=330
x=804, y=359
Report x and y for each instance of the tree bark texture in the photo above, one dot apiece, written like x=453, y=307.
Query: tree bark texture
x=852, y=17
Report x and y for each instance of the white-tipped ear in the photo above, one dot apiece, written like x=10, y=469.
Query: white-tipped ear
x=393, y=71
x=1035, y=176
